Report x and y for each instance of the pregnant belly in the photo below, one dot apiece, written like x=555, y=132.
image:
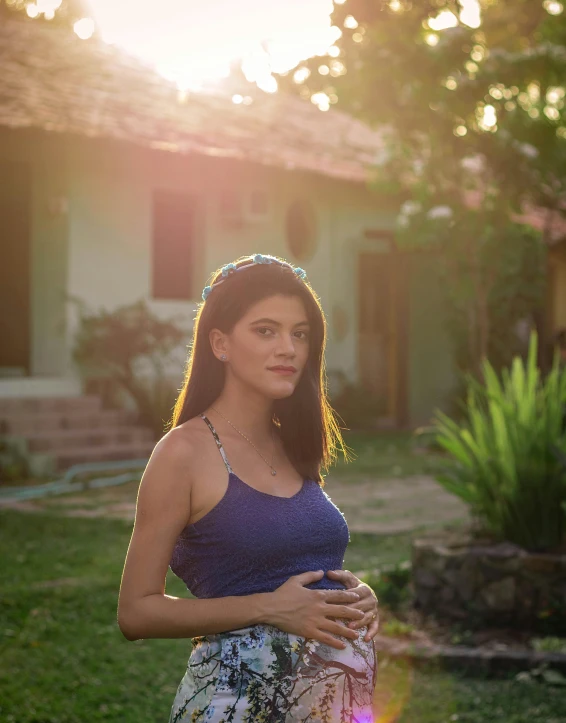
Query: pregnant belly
x=259, y=669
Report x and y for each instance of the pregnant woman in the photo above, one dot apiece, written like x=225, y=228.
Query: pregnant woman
x=232, y=500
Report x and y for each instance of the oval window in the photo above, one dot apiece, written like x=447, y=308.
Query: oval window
x=301, y=230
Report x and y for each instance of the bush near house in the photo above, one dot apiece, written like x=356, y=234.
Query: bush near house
x=14, y=463
x=133, y=350
x=505, y=457
x=506, y=461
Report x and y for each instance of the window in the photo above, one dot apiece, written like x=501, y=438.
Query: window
x=172, y=246
x=259, y=203
x=301, y=230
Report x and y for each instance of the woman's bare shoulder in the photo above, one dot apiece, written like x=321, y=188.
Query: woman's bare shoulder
x=179, y=447
x=167, y=481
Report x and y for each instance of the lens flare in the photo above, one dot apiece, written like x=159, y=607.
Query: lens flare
x=392, y=690
x=194, y=43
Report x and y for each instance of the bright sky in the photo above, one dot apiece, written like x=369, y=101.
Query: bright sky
x=191, y=40
x=194, y=41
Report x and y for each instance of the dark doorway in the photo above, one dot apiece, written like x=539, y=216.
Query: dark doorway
x=382, y=331
x=15, y=263
x=173, y=246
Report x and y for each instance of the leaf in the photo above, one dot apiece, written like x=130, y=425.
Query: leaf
x=553, y=677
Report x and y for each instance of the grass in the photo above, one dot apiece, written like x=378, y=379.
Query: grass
x=367, y=551
x=62, y=639
x=431, y=696
x=63, y=659
x=385, y=455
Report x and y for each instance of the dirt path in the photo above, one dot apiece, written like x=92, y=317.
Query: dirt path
x=378, y=506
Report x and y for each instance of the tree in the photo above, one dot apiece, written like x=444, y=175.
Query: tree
x=456, y=92
x=473, y=112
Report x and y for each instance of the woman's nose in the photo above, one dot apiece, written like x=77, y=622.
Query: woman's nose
x=287, y=345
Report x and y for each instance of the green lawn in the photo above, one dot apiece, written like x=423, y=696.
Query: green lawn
x=63, y=659
x=389, y=454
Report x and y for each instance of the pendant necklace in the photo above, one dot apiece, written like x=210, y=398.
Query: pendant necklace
x=273, y=470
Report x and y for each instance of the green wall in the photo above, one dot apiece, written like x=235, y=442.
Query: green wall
x=431, y=374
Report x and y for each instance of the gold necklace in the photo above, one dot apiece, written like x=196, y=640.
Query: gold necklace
x=273, y=470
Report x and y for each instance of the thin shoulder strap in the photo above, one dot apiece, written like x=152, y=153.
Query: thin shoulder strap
x=218, y=442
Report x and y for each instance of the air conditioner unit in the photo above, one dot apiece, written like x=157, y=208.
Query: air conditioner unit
x=239, y=208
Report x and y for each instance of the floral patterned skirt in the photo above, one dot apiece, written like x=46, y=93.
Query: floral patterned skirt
x=260, y=674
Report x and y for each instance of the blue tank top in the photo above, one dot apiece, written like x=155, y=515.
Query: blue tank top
x=253, y=542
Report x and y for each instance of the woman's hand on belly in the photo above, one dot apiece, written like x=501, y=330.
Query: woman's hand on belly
x=316, y=614
x=367, y=603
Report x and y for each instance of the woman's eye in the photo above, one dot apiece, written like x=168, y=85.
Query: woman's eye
x=302, y=334
x=263, y=330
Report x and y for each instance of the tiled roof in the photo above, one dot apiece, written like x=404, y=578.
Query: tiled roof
x=52, y=80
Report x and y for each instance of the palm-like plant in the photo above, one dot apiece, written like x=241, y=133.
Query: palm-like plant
x=506, y=458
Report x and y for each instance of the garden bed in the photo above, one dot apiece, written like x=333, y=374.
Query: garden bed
x=480, y=584
x=410, y=632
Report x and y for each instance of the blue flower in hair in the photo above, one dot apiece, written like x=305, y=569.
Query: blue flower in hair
x=261, y=259
x=228, y=269
x=205, y=292
x=300, y=272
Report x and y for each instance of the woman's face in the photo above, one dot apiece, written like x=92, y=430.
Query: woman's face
x=268, y=347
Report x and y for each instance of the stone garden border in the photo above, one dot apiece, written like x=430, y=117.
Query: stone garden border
x=503, y=585
x=472, y=660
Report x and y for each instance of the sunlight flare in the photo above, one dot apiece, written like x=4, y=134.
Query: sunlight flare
x=194, y=44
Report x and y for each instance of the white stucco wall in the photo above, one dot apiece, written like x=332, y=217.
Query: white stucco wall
x=110, y=202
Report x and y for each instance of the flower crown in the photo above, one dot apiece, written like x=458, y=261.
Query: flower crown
x=230, y=269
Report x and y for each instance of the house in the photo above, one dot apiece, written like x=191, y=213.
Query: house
x=115, y=186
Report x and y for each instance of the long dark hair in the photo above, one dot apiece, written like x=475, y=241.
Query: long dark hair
x=307, y=425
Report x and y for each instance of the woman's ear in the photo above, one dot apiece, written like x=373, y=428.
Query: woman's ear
x=219, y=344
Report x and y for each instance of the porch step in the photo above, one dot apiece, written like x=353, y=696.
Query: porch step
x=58, y=441
x=40, y=405
x=24, y=424
x=58, y=432
x=12, y=372
x=108, y=452
x=18, y=387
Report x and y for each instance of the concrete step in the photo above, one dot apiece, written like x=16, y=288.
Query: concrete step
x=59, y=431
x=78, y=455
x=60, y=441
x=23, y=387
x=43, y=405
x=28, y=423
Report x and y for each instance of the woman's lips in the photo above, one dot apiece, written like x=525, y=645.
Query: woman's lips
x=284, y=371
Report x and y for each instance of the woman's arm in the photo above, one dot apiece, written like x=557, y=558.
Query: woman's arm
x=162, y=511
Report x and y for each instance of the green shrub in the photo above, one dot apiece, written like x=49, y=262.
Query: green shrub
x=132, y=349
x=397, y=629
x=14, y=464
x=550, y=644
x=505, y=457
x=391, y=585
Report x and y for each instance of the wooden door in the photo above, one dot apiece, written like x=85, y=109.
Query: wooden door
x=377, y=331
